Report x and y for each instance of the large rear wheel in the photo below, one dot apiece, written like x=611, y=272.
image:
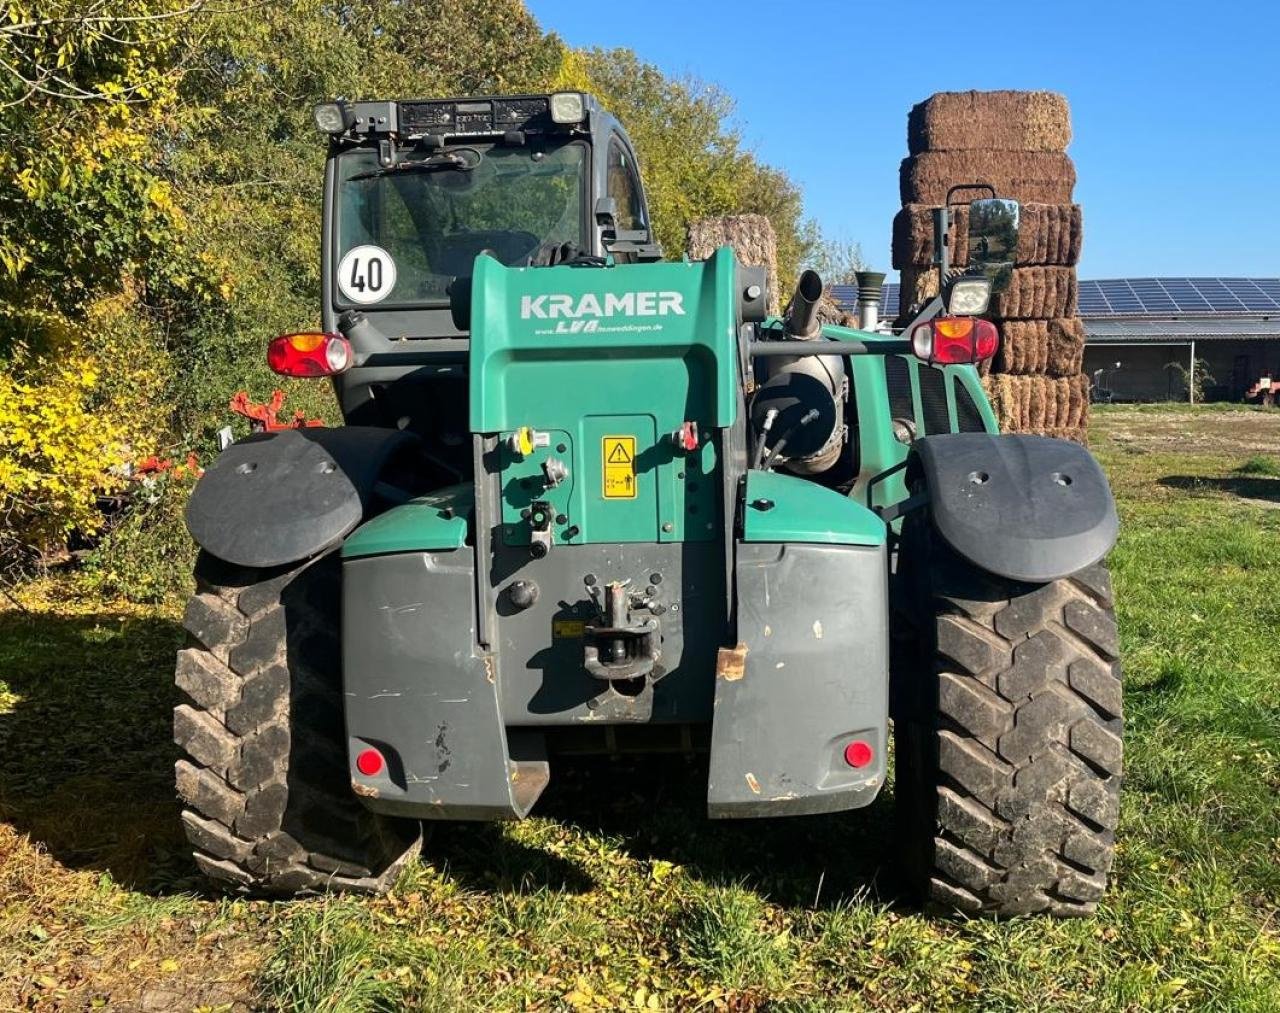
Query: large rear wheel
x=1008, y=735
x=264, y=774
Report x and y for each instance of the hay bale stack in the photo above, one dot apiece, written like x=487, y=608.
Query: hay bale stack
x=1050, y=235
x=752, y=238
x=830, y=312
x=1046, y=347
x=1046, y=177
x=1015, y=142
x=1037, y=293
x=990, y=121
x=1048, y=406
x=1033, y=293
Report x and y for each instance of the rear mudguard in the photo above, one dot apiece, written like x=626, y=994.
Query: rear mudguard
x=1023, y=507
x=276, y=498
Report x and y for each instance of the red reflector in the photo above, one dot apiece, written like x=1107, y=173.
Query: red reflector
x=369, y=762
x=309, y=354
x=858, y=753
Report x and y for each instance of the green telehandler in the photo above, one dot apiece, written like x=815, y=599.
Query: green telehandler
x=586, y=500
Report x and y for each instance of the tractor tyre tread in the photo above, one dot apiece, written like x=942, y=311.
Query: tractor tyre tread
x=1010, y=760
x=262, y=658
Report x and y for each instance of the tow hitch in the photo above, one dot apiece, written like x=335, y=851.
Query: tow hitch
x=617, y=647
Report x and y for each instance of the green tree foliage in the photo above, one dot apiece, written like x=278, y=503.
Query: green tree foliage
x=692, y=158
x=160, y=184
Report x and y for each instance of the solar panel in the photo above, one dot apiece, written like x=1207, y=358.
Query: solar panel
x=1139, y=297
x=1092, y=303
x=847, y=297
x=1185, y=295
x=1156, y=297
x=1217, y=295
x=1120, y=297
x=1153, y=295
x=1249, y=293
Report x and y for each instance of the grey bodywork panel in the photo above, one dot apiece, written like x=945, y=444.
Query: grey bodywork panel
x=276, y=498
x=1024, y=507
x=811, y=676
x=418, y=689
x=540, y=648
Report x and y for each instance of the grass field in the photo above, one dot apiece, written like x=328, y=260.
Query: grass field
x=619, y=894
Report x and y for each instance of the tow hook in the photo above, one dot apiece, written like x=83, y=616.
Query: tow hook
x=617, y=648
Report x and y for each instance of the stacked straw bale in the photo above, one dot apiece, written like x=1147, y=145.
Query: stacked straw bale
x=1016, y=142
x=752, y=238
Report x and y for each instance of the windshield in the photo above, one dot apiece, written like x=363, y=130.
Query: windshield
x=404, y=235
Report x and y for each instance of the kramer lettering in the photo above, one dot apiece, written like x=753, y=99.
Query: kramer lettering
x=628, y=304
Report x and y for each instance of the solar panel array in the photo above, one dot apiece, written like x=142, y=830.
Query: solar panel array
x=1141, y=297
x=1154, y=297
x=847, y=296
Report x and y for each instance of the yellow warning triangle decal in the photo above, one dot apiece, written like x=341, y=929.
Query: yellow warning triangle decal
x=619, y=455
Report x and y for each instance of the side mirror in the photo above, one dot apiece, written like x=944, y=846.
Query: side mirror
x=993, y=239
x=606, y=212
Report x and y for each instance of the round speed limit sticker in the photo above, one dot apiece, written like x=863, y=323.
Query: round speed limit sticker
x=367, y=274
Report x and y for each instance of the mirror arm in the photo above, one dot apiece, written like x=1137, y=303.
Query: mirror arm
x=970, y=186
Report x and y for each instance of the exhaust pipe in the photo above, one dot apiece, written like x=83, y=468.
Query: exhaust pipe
x=870, y=290
x=801, y=318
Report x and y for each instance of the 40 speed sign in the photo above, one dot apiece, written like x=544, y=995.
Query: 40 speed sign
x=367, y=274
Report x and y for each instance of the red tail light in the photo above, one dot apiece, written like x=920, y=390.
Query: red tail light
x=309, y=354
x=951, y=340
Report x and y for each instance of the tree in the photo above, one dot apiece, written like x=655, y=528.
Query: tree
x=89, y=233
x=691, y=156
x=837, y=260
x=160, y=184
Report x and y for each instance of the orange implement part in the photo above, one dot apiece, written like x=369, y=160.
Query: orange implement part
x=266, y=416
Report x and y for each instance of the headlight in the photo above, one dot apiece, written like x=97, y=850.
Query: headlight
x=567, y=107
x=330, y=118
x=969, y=297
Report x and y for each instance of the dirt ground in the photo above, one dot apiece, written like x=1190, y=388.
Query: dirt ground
x=1207, y=430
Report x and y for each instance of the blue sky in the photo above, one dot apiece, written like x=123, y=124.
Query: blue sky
x=1175, y=107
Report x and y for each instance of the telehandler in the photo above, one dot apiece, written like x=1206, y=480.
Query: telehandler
x=586, y=500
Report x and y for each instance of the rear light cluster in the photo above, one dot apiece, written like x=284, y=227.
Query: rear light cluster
x=310, y=353
x=950, y=341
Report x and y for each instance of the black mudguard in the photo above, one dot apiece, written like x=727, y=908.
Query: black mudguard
x=1022, y=507
x=280, y=497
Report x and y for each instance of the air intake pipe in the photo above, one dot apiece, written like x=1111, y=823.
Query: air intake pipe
x=870, y=290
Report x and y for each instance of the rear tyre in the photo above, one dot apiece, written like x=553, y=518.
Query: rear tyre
x=1008, y=736
x=264, y=772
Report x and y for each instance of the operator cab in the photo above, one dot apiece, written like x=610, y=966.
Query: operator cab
x=415, y=190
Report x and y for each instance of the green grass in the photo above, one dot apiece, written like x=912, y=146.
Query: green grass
x=1259, y=465
x=619, y=894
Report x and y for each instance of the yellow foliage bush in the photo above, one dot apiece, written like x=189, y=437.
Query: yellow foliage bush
x=73, y=417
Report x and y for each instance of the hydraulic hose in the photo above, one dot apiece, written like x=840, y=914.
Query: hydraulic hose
x=808, y=417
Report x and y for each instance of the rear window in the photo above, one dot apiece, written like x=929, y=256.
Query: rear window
x=404, y=236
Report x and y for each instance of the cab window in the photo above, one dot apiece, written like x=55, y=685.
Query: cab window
x=624, y=187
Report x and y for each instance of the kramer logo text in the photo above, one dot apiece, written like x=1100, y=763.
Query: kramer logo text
x=588, y=309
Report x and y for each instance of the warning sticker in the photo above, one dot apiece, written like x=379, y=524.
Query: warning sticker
x=618, y=455
x=563, y=629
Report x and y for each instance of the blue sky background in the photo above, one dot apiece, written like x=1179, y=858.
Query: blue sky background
x=1175, y=107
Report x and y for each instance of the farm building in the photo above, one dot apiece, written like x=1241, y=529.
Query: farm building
x=1142, y=334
